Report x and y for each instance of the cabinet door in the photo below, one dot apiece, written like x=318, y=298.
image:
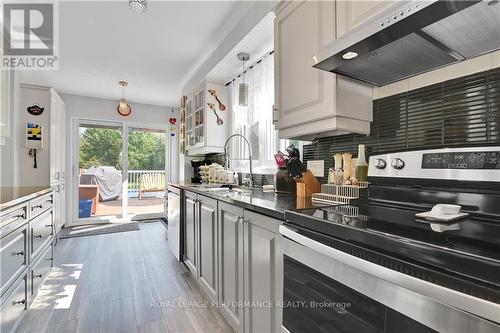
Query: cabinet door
x=59, y=207
x=189, y=122
x=207, y=266
x=350, y=13
x=62, y=209
x=190, y=221
x=54, y=139
x=14, y=305
x=199, y=117
x=302, y=93
x=263, y=267
x=231, y=263
x=62, y=143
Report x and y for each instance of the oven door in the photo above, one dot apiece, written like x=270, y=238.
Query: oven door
x=327, y=290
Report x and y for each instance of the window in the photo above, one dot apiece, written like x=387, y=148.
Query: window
x=255, y=121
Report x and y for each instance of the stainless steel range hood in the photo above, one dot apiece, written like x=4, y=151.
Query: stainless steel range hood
x=413, y=37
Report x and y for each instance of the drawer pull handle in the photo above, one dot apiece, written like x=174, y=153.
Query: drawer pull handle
x=20, y=302
x=49, y=259
x=49, y=201
x=20, y=216
x=38, y=236
x=37, y=206
x=48, y=225
x=19, y=253
x=38, y=276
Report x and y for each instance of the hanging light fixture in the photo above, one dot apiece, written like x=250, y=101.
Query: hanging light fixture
x=138, y=6
x=243, y=87
x=123, y=108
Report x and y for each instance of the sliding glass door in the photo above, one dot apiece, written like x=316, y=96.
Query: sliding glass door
x=100, y=172
x=119, y=172
x=146, y=173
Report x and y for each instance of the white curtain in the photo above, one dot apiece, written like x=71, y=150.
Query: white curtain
x=254, y=121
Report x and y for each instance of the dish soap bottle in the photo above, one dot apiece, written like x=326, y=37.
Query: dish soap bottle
x=361, y=165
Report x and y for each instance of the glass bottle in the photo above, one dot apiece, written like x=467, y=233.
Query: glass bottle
x=361, y=165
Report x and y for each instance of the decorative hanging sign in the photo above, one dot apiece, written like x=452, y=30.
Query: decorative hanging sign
x=172, y=120
x=35, y=109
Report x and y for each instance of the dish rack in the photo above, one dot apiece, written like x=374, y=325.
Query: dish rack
x=339, y=194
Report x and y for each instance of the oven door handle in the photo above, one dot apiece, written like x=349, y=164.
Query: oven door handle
x=449, y=297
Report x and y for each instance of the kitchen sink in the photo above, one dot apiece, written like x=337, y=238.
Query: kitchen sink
x=226, y=191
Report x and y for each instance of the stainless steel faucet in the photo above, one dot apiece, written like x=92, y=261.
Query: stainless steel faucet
x=226, y=155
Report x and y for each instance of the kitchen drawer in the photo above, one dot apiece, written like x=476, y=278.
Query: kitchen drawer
x=12, y=218
x=40, y=270
x=41, y=204
x=14, y=305
x=13, y=256
x=41, y=233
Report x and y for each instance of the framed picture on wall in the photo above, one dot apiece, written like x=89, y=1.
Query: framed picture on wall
x=34, y=136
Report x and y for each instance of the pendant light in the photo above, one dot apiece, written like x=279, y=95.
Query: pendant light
x=123, y=108
x=243, y=87
x=138, y=6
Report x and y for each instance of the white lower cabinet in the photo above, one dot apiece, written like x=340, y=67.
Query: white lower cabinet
x=190, y=232
x=250, y=269
x=26, y=256
x=237, y=257
x=231, y=264
x=207, y=244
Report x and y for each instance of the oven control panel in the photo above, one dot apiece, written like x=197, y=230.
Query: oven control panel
x=474, y=164
x=487, y=160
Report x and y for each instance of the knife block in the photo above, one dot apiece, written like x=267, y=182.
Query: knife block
x=307, y=185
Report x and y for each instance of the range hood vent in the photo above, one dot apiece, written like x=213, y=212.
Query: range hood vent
x=413, y=37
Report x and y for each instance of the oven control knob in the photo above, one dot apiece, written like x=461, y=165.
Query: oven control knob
x=397, y=164
x=380, y=164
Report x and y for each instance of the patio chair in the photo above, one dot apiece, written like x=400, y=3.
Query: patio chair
x=151, y=182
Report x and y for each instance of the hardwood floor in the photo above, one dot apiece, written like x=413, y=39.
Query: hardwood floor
x=122, y=282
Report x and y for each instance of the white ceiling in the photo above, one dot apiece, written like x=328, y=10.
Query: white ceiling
x=259, y=41
x=104, y=42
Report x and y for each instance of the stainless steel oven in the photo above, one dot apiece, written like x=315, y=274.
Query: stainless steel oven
x=375, y=266
x=328, y=290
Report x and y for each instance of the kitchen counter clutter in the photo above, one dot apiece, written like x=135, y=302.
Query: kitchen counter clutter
x=254, y=199
x=26, y=249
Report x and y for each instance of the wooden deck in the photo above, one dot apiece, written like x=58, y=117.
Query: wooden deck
x=135, y=206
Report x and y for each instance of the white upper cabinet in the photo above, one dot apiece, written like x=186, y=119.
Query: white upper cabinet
x=309, y=101
x=350, y=13
x=301, y=29
x=207, y=119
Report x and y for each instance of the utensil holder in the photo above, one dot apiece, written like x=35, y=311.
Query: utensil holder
x=307, y=185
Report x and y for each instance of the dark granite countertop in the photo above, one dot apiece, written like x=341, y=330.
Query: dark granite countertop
x=13, y=195
x=267, y=203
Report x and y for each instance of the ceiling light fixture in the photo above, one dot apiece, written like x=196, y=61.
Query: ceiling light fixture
x=139, y=6
x=123, y=108
x=349, y=55
x=243, y=87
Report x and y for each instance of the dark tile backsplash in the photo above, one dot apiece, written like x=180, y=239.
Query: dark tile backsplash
x=459, y=112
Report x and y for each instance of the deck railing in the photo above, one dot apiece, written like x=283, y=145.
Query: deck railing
x=134, y=177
